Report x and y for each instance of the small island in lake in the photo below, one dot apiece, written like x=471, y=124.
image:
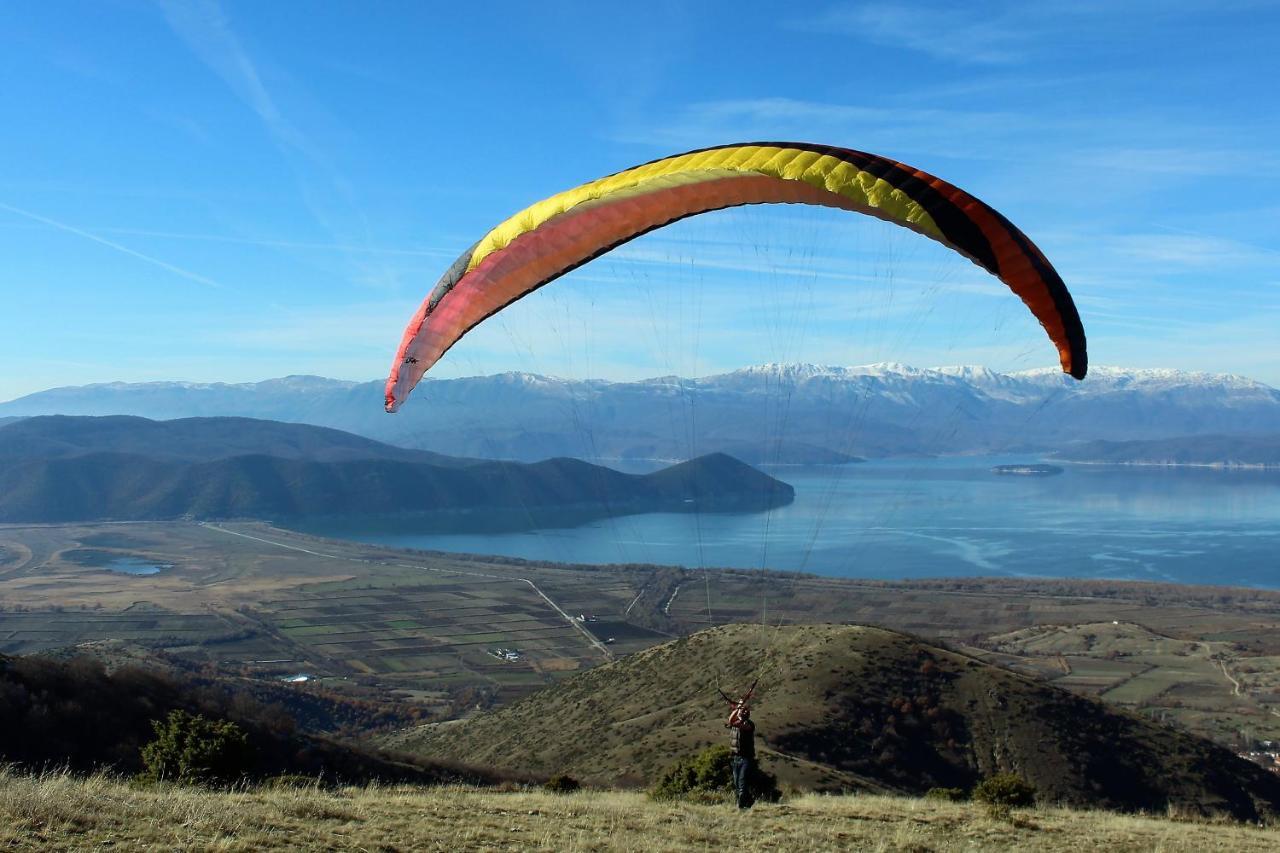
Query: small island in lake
x=1028, y=470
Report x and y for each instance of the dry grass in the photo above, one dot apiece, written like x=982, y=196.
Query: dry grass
x=59, y=812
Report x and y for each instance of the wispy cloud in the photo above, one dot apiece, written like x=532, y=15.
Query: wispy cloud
x=110, y=244
x=1191, y=250
x=362, y=328
x=964, y=33
x=1068, y=140
x=1006, y=32
x=1164, y=262
x=205, y=28
x=972, y=134
x=1241, y=345
x=1186, y=159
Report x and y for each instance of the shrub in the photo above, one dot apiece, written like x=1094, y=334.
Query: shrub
x=1006, y=790
x=293, y=781
x=708, y=777
x=196, y=751
x=562, y=783
x=951, y=795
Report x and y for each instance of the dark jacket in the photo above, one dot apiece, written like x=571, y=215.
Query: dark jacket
x=742, y=739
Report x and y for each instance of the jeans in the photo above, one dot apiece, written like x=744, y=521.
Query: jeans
x=743, y=770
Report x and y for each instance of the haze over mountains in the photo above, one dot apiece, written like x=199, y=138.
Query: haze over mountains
x=783, y=413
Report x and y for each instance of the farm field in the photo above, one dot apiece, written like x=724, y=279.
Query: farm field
x=1183, y=680
x=275, y=603
x=448, y=631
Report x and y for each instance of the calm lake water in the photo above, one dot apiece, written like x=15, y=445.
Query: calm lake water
x=938, y=518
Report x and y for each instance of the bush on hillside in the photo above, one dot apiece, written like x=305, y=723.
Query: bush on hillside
x=293, y=782
x=709, y=774
x=562, y=783
x=951, y=795
x=1005, y=791
x=193, y=750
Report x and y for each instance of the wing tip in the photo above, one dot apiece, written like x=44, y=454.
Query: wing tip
x=1077, y=367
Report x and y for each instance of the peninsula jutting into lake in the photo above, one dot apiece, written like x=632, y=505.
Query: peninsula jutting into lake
x=1027, y=470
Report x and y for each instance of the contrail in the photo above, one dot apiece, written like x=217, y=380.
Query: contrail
x=284, y=244
x=62, y=226
x=204, y=28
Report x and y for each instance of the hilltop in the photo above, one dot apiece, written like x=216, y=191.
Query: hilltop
x=851, y=707
x=59, y=469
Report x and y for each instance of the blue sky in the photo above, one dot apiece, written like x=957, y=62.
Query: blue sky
x=235, y=191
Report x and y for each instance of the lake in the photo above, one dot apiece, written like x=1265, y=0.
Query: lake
x=897, y=519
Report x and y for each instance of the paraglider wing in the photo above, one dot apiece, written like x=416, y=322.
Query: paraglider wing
x=558, y=234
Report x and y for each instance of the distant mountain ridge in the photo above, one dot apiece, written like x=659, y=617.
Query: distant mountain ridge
x=192, y=439
x=792, y=413
x=1225, y=451
x=59, y=468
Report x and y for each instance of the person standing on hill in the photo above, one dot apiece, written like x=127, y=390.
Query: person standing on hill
x=742, y=745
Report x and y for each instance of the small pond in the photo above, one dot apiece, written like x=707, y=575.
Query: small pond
x=127, y=564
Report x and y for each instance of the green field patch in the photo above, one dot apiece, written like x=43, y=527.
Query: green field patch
x=526, y=637
x=1089, y=639
x=411, y=663
x=393, y=664
x=468, y=639
x=1097, y=668
x=401, y=649
x=369, y=639
x=455, y=676
x=1086, y=668
x=1085, y=684
x=1147, y=686
x=435, y=661
x=1195, y=662
x=518, y=678
x=315, y=630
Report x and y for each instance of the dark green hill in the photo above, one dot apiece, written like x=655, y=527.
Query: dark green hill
x=61, y=469
x=76, y=714
x=195, y=440
x=847, y=707
x=718, y=481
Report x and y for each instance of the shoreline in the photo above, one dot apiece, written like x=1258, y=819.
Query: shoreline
x=1219, y=466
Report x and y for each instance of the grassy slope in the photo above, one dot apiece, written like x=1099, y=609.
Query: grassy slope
x=830, y=707
x=61, y=813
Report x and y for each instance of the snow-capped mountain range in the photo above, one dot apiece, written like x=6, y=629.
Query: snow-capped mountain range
x=783, y=412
